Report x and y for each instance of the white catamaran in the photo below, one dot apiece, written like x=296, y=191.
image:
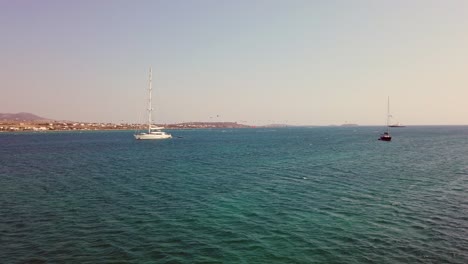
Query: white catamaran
x=153, y=131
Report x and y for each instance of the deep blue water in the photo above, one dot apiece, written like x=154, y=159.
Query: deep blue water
x=290, y=195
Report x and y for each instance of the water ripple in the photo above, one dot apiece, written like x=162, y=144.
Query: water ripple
x=322, y=195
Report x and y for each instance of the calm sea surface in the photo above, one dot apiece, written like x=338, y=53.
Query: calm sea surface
x=289, y=195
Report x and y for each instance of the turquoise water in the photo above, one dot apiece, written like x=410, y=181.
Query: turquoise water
x=292, y=195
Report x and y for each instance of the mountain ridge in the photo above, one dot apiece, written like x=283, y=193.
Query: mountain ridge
x=21, y=116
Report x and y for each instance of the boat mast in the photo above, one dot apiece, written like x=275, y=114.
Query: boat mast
x=388, y=112
x=150, y=108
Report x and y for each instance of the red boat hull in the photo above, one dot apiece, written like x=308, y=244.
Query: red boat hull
x=385, y=138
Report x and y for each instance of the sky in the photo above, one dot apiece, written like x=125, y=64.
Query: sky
x=297, y=62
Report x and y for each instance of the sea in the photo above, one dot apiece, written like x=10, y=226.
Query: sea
x=259, y=195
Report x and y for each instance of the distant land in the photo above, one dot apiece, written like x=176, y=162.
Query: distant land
x=276, y=125
x=21, y=117
x=31, y=122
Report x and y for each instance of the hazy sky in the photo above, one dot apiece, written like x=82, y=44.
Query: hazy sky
x=255, y=62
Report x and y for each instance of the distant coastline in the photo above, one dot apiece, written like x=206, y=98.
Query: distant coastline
x=16, y=122
x=18, y=126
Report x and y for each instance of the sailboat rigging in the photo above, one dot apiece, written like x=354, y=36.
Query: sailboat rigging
x=386, y=135
x=153, y=131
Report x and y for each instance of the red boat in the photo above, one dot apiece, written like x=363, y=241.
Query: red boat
x=386, y=135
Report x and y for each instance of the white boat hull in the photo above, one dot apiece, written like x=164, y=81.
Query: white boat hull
x=153, y=136
x=154, y=132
